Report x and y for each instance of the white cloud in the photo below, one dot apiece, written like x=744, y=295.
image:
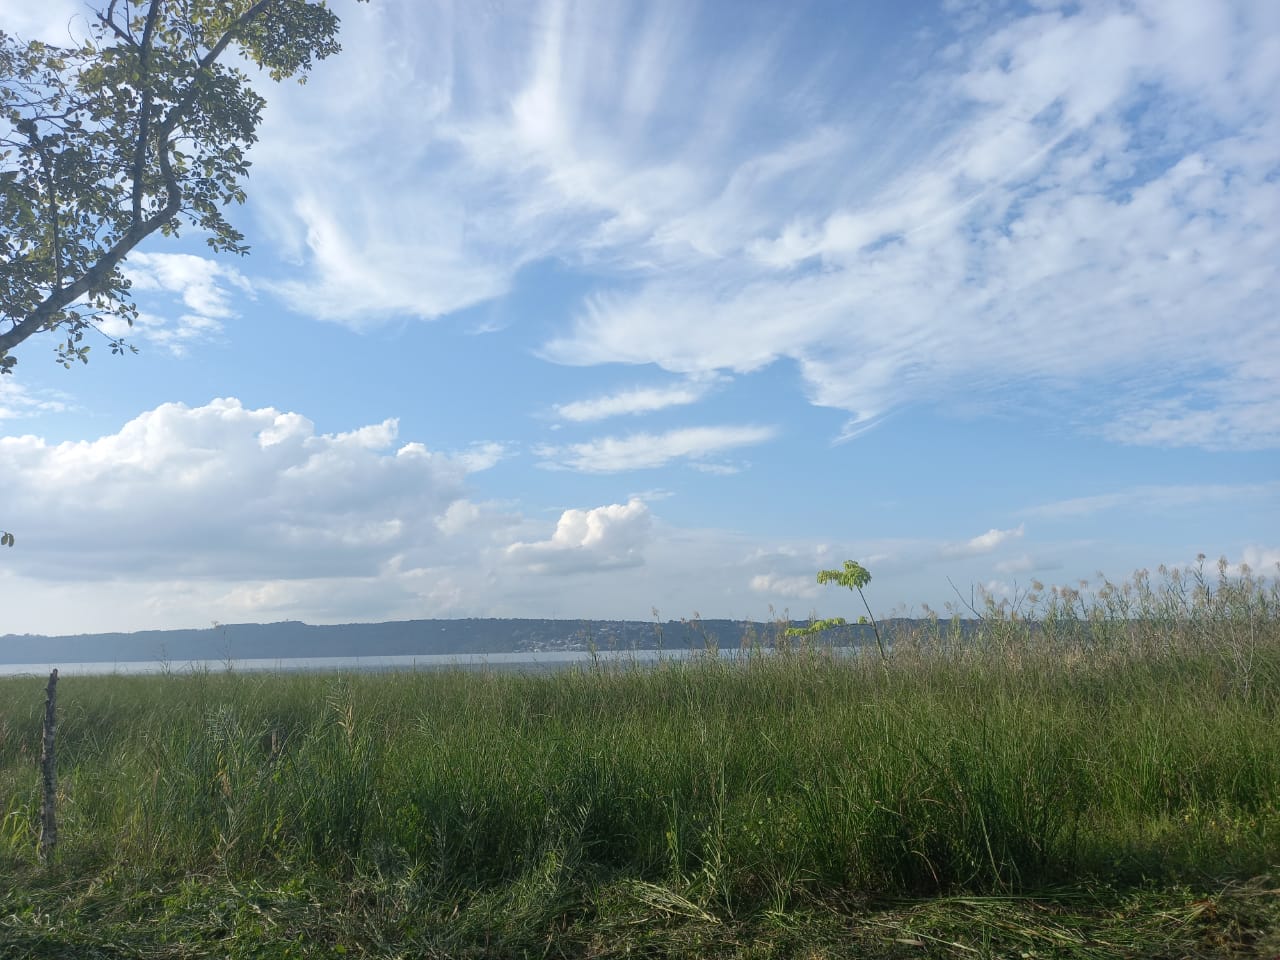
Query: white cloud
x=584, y=541
x=1156, y=498
x=62, y=22
x=983, y=543
x=773, y=586
x=482, y=456
x=1068, y=206
x=640, y=451
x=1264, y=561
x=1048, y=241
x=652, y=495
x=1000, y=589
x=1228, y=413
x=460, y=516
x=993, y=538
x=222, y=512
x=1016, y=565
x=398, y=231
x=377, y=272
x=717, y=469
x=16, y=401
x=634, y=401
x=200, y=282
x=1026, y=563
x=564, y=132
x=205, y=288
x=226, y=492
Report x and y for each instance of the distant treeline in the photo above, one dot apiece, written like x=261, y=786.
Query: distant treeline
x=293, y=638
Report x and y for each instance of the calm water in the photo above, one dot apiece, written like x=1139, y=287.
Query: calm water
x=547, y=659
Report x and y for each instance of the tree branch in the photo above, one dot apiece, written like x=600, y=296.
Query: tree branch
x=97, y=275
x=144, y=115
x=242, y=21
x=108, y=19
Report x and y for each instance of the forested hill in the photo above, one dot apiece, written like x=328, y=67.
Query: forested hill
x=295, y=639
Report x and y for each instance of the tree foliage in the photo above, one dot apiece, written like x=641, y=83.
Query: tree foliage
x=143, y=128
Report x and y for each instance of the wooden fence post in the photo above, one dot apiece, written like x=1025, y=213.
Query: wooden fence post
x=49, y=774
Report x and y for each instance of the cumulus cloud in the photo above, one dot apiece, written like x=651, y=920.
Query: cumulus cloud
x=228, y=492
x=984, y=543
x=224, y=512
x=774, y=586
x=603, y=538
x=640, y=451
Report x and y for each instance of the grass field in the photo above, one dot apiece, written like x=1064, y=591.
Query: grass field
x=1091, y=773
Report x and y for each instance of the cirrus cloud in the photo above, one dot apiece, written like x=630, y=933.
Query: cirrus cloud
x=1071, y=196
x=641, y=451
x=637, y=400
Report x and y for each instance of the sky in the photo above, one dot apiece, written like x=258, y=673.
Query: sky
x=622, y=310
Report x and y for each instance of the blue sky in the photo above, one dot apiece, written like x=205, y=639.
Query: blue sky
x=582, y=310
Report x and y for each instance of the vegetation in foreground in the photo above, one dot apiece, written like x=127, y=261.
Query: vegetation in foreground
x=1089, y=774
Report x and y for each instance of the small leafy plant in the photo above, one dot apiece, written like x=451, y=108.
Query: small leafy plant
x=854, y=576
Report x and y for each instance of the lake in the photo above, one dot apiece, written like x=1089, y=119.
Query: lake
x=522, y=660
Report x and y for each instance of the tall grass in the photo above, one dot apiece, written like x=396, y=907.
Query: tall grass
x=1124, y=733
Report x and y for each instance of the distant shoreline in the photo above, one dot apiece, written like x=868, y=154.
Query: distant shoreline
x=292, y=640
